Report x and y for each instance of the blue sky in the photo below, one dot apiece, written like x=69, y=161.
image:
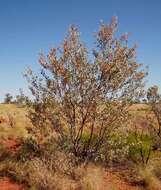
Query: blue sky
x=31, y=26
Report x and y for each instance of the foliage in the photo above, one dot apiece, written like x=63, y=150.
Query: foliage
x=8, y=98
x=154, y=99
x=81, y=114
x=21, y=99
x=140, y=147
x=76, y=95
x=28, y=150
x=115, y=149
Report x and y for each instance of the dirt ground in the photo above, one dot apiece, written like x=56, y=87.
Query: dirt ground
x=112, y=181
x=7, y=184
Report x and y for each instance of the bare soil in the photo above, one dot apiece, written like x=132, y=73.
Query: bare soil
x=112, y=181
x=7, y=184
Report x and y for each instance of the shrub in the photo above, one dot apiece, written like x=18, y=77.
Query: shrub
x=29, y=149
x=140, y=147
x=80, y=96
x=37, y=174
x=22, y=100
x=8, y=98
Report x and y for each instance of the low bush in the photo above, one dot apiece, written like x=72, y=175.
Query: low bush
x=140, y=147
x=29, y=149
x=114, y=150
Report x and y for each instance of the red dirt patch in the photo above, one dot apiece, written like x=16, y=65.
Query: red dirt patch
x=113, y=181
x=7, y=184
x=10, y=144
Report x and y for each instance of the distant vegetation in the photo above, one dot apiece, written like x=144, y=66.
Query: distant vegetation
x=8, y=98
x=87, y=114
x=21, y=99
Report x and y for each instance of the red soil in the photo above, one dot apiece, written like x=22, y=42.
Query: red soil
x=113, y=181
x=7, y=184
x=10, y=144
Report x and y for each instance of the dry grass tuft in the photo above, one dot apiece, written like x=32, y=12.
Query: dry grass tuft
x=150, y=179
x=93, y=178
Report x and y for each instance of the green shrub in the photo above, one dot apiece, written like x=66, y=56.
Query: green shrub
x=29, y=149
x=115, y=149
x=140, y=147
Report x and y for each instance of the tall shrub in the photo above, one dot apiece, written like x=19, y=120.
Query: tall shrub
x=84, y=96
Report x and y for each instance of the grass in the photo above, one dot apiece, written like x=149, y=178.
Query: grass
x=19, y=119
x=93, y=178
x=54, y=170
x=151, y=181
